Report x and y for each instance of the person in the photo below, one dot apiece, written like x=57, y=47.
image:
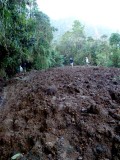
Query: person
x=87, y=60
x=24, y=66
x=71, y=62
x=21, y=69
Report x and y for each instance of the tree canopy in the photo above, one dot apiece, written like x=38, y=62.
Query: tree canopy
x=26, y=35
x=104, y=51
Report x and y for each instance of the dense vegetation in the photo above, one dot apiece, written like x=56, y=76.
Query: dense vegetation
x=26, y=36
x=104, y=51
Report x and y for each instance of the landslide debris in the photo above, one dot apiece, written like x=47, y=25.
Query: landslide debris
x=61, y=114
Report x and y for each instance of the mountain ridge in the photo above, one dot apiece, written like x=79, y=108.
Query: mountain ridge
x=64, y=25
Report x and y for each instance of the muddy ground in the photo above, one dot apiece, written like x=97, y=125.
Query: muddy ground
x=61, y=114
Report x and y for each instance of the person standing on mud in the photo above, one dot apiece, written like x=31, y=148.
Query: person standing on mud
x=71, y=62
x=24, y=66
x=86, y=60
x=21, y=68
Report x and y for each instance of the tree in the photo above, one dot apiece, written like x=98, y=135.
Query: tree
x=115, y=50
x=26, y=35
x=115, y=40
x=13, y=25
x=72, y=43
x=44, y=36
x=78, y=29
x=103, y=51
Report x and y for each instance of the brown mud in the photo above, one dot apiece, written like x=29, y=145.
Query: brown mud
x=61, y=114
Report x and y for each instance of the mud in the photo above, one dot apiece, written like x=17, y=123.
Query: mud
x=62, y=114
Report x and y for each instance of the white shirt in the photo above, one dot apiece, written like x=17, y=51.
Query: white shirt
x=21, y=69
x=87, y=61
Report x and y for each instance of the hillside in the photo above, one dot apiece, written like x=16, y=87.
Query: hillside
x=61, y=114
x=64, y=25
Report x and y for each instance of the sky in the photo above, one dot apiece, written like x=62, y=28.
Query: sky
x=96, y=12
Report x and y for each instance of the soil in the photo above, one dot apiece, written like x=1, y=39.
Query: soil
x=61, y=114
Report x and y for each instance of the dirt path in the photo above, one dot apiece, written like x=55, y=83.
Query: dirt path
x=62, y=114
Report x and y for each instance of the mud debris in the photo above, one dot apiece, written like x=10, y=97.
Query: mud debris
x=61, y=114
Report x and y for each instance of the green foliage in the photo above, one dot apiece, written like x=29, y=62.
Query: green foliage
x=115, y=39
x=79, y=58
x=2, y=73
x=103, y=51
x=78, y=29
x=114, y=60
x=26, y=35
x=57, y=59
x=72, y=42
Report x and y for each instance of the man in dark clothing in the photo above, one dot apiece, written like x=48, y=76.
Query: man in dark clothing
x=71, y=62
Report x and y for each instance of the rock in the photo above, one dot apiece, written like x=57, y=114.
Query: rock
x=51, y=90
x=116, y=138
x=117, y=129
x=84, y=110
x=50, y=140
x=94, y=109
x=79, y=158
x=101, y=150
x=114, y=115
x=50, y=157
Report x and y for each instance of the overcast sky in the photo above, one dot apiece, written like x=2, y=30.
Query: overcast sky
x=98, y=12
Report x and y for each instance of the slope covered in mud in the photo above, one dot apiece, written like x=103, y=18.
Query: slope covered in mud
x=62, y=114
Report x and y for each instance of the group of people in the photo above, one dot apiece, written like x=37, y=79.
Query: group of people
x=86, y=61
x=25, y=66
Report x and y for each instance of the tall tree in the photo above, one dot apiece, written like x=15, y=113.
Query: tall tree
x=115, y=49
x=72, y=42
x=115, y=39
x=26, y=34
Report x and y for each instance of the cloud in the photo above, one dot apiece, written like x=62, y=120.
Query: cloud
x=97, y=12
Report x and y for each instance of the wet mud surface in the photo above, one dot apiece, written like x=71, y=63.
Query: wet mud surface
x=61, y=114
